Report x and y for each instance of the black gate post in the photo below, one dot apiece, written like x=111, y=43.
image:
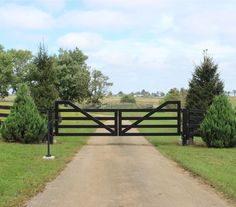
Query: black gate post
x=56, y=116
x=50, y=125
x=185, y=125
x=48, y=156
x=120, y=123
x=116, y=122
x=179, y=117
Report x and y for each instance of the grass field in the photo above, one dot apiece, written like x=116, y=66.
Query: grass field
x=216, y=166
x=155, y=101
x=142, y=101
x=23, y=172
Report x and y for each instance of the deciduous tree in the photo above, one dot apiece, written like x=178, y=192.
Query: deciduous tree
x=99, y=86
x=6, y=73
x=21, y=60
x=73, y=75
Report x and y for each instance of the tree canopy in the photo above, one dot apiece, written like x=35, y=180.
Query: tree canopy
x=99, y=86
x=73, y=75
x=6, y=73
x=42, y=79
x=204, y=85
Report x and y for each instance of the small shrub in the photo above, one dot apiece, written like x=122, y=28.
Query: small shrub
x=24, y=123
x=218, y=128
x=128, y=99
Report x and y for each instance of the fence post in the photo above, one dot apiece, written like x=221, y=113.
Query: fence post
x=56, y=116
x=185, y=125
x=120, y=122
x=50, y=125
x=48, y=156
x=116, y=122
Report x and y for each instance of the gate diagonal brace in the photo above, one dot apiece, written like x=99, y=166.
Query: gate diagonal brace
x=88, y=115
x=149, y=114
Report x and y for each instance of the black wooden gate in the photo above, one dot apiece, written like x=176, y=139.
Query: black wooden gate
x=85, y=118
x=152, y=115
x=117, y=119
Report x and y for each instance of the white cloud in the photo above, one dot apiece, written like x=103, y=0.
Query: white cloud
x=128, y=54
x=85, y=41
x=164, y=23
x=215, y=48
x=104, y=19
x=52, y=5
x=211, y=23
x=128, y=4
x=24, y=17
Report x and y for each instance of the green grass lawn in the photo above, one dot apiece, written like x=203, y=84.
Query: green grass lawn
x=215, y=166
x=23, y=172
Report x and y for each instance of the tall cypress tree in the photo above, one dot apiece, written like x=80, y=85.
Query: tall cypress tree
x=42, y=79
x=205, y=84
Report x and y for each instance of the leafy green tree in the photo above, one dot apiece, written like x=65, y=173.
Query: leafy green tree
x=1, y=48
x=218, y=128
x=6, y=74
x=205, y=85
x=99, y=86
x=73, y=75
x=176, y=95
x=21, y=60
x=120, y=93
x=24, y=124
x=128, y=99
x=42, y=79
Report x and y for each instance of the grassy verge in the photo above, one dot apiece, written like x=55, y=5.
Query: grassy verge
x=23, y=172
x=216, y=166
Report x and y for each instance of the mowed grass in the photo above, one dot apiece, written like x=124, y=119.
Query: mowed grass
x=216, y=166
x=23, y=172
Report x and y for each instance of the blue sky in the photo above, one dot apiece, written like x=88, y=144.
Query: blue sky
x=139, y=44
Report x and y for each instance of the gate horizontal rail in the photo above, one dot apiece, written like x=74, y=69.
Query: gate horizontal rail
x=117, y=128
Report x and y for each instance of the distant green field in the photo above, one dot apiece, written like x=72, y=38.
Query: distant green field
x=113, y=100
x=155, y=101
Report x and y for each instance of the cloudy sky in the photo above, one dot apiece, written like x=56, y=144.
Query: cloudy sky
x=139, y=44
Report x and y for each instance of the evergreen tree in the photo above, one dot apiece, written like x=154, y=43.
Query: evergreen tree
x=205, y=85
x=218, y=128
x=42, y=79
x=24, y=124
